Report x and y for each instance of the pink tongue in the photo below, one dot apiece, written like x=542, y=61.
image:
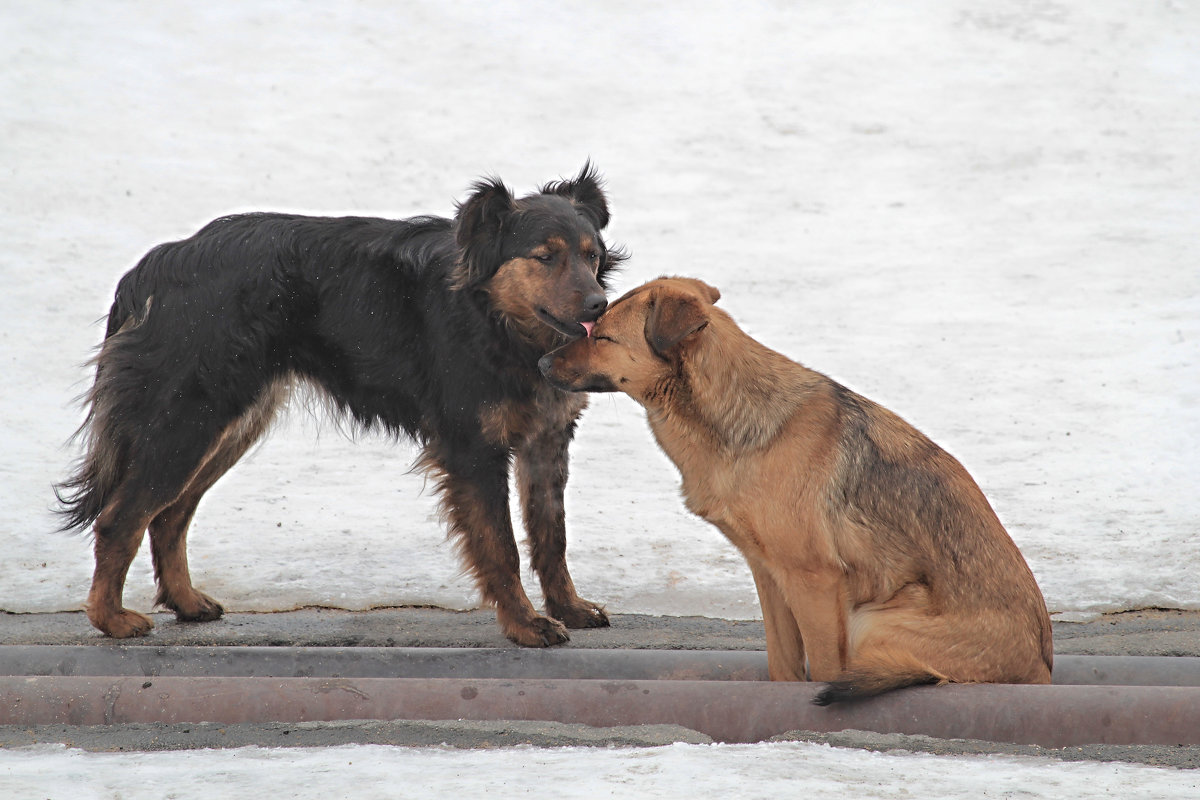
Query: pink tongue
x=587, y=328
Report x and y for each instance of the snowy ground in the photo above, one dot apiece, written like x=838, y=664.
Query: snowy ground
x=985, y=219
x=735, y=771
x=981, y=215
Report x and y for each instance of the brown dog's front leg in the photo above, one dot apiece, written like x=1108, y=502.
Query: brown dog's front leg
x=785, y=647
x=474, y=489
x=541, y=482
x=818, y=600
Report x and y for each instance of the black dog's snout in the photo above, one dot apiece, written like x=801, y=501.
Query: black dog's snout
x=594, y=304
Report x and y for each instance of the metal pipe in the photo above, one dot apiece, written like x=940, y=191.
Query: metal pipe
x=441, y=662
x=383, y=662
x=729, y=711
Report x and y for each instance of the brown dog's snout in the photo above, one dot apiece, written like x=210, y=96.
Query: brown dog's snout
x=565, y=369
x=555, y=367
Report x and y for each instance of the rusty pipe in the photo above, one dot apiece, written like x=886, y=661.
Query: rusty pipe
x=728, y=711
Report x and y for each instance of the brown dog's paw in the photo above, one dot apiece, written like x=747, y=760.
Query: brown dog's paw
x=538, y=632
x=199, y=608
x=579, y=614
x=125, y=624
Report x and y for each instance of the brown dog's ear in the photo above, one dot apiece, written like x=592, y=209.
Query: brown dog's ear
x=711, y=292
x=672, y=319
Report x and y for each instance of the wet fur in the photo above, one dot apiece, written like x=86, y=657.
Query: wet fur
x=878, y=561
x=427, y=328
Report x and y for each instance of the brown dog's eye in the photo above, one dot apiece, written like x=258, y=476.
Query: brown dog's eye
x=603, y=338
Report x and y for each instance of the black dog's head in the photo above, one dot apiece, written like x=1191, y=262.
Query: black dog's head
x=540, y=259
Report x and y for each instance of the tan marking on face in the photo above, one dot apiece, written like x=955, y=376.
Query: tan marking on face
x=516, y=288
x=524, y=286
x=589, y=247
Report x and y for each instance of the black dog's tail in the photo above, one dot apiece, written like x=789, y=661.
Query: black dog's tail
x=876, y=678
x=82, y=497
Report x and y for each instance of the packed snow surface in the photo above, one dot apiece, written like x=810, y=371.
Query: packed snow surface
x=984, y=217
x=678, y=771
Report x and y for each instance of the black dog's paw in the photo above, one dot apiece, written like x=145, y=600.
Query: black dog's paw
x=199, y=608
x=579, y=614
x=538, y=632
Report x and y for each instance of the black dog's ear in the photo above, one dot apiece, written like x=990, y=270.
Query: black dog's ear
x=586, y=192
x=477, y=229
x=672, y=319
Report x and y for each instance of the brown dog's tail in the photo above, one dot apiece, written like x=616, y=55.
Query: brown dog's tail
x=873, y=678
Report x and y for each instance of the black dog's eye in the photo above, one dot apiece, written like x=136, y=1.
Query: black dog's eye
x=545, y=258
x=594, y=256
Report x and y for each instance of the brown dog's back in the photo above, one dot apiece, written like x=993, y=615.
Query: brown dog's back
x=967, y=607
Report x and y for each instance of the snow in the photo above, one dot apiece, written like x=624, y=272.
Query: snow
x=681, y=771
x=982, y=216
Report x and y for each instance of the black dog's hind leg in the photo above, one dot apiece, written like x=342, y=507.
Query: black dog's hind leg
x=118, y=534
x=160, y=467
x=168, y=530
x=474, y=488
x=168, y=546
x=541, y=481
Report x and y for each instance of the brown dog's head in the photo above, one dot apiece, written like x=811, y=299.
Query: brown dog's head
x=540, y=259
x=638, y=341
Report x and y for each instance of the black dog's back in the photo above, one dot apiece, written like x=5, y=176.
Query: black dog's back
x=349, y=303
x=202, y=327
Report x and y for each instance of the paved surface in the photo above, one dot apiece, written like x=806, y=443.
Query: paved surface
x=1140, y=633
x=395, y=627
x=1153, y=632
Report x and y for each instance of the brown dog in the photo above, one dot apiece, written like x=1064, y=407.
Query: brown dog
x=878, y=561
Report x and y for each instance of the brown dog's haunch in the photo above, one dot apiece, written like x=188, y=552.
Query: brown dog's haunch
x=878, y=561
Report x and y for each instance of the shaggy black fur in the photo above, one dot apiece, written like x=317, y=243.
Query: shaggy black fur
x=405, y=325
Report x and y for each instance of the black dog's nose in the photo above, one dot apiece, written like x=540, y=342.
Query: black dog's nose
x=594, y=305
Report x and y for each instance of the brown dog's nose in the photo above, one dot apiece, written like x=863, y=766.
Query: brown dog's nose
x=594, y=305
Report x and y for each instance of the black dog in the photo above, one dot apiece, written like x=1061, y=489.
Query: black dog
x=428, y=327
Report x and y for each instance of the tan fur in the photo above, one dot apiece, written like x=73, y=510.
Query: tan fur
x=512, y=422
x=514, y=289
x=878, y=561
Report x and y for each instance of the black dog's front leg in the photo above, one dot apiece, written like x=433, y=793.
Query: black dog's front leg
x=474, y=493
x=541, y=481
